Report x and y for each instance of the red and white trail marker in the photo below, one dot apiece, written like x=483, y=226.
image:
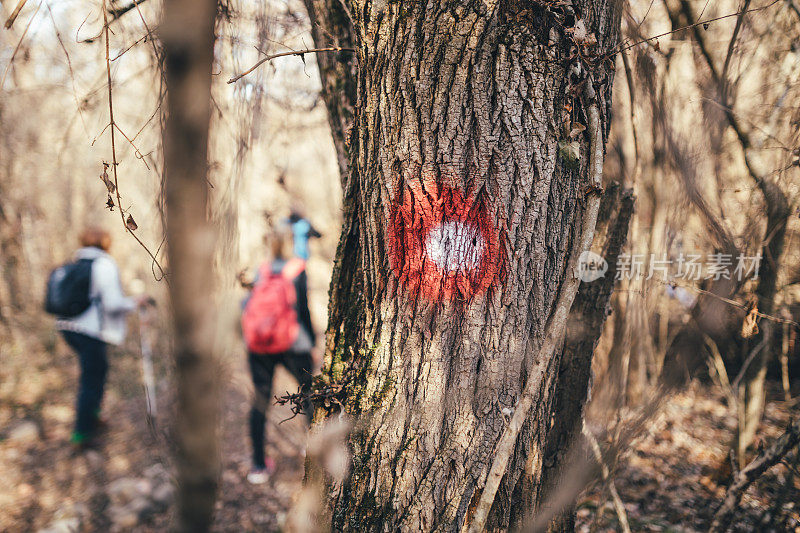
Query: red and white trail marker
x=442, y=244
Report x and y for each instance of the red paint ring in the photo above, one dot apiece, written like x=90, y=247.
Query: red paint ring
x=420, y=214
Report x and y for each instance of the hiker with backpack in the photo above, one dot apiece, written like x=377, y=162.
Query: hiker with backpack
x=90, y=306
x=277, y=329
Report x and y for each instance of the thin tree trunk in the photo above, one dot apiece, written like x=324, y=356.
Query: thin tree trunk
x=459, y=218
x=12, y=294
x=753, y=383
x=187, y=33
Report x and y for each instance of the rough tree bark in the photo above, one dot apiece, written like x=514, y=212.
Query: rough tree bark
x=460, y=212
x=187, y=33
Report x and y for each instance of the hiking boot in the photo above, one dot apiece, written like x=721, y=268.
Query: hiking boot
x=260, y=474
x=82, y=442
x=257, y=476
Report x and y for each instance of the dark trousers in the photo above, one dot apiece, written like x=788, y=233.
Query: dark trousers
x=262, y=369
x=94, y=367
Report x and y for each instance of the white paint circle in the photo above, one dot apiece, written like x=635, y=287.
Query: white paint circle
x=454, y=246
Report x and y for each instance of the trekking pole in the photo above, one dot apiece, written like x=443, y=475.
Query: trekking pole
x=145, y=318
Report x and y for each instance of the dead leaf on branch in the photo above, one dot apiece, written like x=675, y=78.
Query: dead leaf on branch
x=577, y=129
x=110, y=203
x=581, y=35
x=131, y=224
x=104, y=177
x=750, y=323
x=570, y=152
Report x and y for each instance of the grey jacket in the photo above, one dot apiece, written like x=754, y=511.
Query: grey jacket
x=105, y=317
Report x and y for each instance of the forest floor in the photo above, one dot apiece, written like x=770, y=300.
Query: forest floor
x=676, y=472
x=671, y=479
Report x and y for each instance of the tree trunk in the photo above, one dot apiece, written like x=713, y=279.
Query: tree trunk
x=187, y=33
x=752, y=392
x=460, y=213
x=331, y=26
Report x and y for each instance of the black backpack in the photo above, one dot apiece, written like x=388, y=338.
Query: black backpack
x=68, y=289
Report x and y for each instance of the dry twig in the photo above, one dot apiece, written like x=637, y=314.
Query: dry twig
x=114, y=148
x=691, y=26
x=13, y=16
x=292, y=53
x=608, y=480
x=19, y=43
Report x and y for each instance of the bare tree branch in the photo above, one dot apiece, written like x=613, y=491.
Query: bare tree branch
x=117, y=12
x=13, y=16
x=608, y=480
x=19, y=43
x=292, y=53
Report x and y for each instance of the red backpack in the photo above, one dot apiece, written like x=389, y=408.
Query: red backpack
x=269, y=320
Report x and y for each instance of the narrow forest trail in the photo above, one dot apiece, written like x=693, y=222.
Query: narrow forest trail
x=126, y=484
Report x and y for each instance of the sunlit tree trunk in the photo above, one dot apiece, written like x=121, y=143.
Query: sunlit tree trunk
x=460, y=213
x=187, y=33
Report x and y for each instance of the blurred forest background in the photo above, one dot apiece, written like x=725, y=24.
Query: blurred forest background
x=692, y=378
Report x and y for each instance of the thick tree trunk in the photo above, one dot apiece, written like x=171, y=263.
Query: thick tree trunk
x=187, y=32
x=331, y=25
x=460, y=214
